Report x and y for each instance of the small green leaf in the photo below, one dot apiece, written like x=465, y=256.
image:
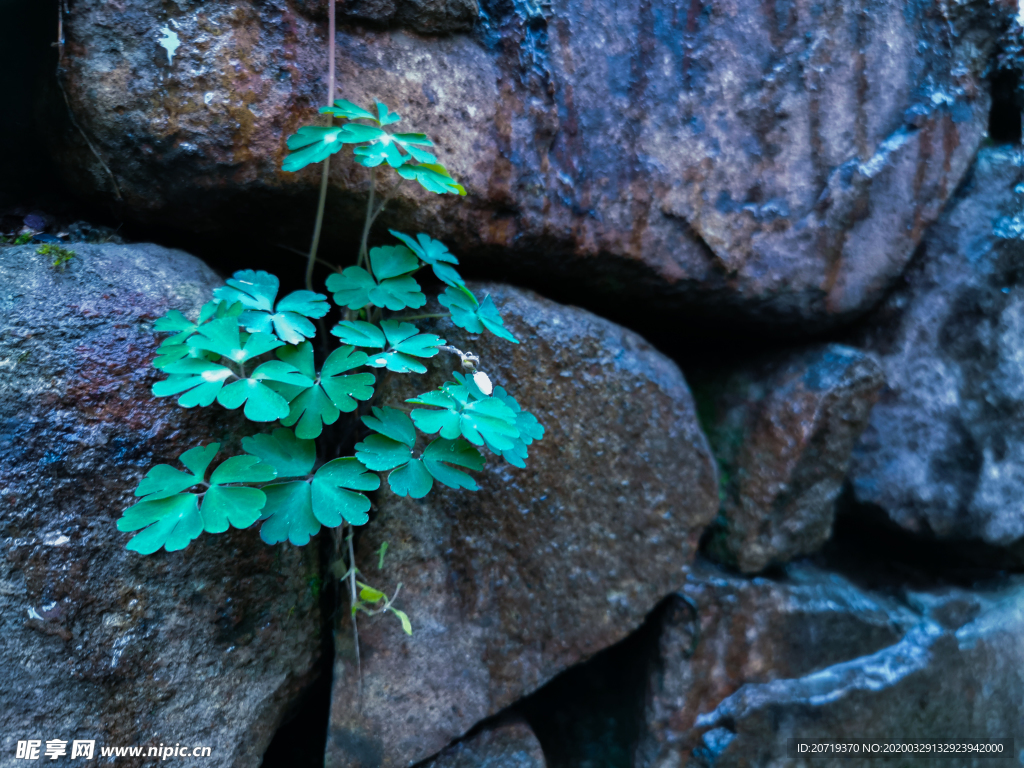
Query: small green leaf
x=380, y=555
x=434, y=253
x=225, y=507
x=406, y=624
x=392, y=261
x=392, y=423
x=372, y=155
x=477, y=420
x=352, y=287
x=242, y=469
x=163, y=480
x=381, y=453
x=473, y=316
x=253, y=289
x=314, y=144
x=369, y=594
x=256, y=291
x=348, y=110
x=282, y=450
x=385, y=116
x=288, y=514
x=529, y=427
x=432, y=177
x=398, y=293
x=440, y=453
x=344, y=390
x=172, y=523
x=261, y=402
x=334, y=492
x=406, y=339
x=411, y=479
x=222, y=336
x=359, y=334
x=200, y=380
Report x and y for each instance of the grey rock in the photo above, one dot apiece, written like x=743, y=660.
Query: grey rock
x=936, y=683
x=204, y=647
x=782, y=432
x=507, y=745
x=944, y=450
x=725, y=633
x=544, y=566
x=753, y=161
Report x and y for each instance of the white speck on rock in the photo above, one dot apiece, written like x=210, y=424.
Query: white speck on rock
x=208, y=97
x=171, y=42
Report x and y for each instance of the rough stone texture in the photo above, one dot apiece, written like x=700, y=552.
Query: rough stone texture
x=779, y=159
x=815, y=657
x=782, y=432
x=542, y=567
x=202, y=647
x=510, y=745
x=943, y=454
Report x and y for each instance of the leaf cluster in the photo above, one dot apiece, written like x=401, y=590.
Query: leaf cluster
x=373, y=145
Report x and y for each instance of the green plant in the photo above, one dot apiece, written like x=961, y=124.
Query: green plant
x=59, y=257
x=249, y=349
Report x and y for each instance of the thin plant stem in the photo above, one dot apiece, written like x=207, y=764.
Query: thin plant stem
x=436, y=316
x=369, y=218
x=324, y=178
x=355, y=625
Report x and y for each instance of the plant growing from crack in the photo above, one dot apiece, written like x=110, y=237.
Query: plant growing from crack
x=249, y=349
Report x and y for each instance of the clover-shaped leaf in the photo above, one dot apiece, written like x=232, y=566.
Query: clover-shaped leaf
x=288, y=514
x=281, y=449
x=477, y=420
x=332, y=393
x=168, y=353
x=432, y=177
x=441, y=452
x=172, y=518
x=335, y=496
x=529, y=427
x=256, y=291
x=347, y=110
x=392, y=261
x=398, y=293
x=385, y=116
x=199, y=379
x=434, y=253
x=223, y=337
x=393, y=446
x=360, y=334
x=405, y=344
x=314, y=144
x=352, y=287
x=474, y=316
x=262, y=402
x=392, y=423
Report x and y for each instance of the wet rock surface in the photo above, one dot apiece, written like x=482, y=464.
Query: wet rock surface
x=745, y=665
x=542, y=567
x=779, y=161
x=944, y=450
x=510, y=745
x=782, y=433
x=205, y=647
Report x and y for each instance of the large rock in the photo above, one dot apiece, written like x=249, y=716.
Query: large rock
x=748, y=665
x=507, y=745
x=544, y=566
x=204, y=647
x=943, y=454
x=782, y=432
x=782, y=160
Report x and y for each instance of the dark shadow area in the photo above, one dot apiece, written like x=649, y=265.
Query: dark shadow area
x=301, y=739
x=877, y=554
x=591, y=715
x=1004, y=120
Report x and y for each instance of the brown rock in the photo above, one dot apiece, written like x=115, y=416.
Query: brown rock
x=543, y=567
x=509, y=745
x=783, y=162
x=204, y=647
x=956, y=681
x=783, y=432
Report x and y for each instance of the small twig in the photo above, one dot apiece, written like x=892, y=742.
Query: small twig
x=434, y=316
x=332, y=267
x=469, y=360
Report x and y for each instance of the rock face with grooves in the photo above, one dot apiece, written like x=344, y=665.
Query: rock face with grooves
x=208, y=646
x=542, y=567
x=944, y=450
x=779, y=160
x=783, y=432
x=746, y=665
